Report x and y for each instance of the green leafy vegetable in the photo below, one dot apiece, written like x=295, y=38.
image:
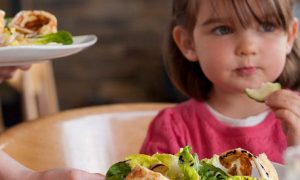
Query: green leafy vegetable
x=118, y=171
x=61, y=37
x=188, y=163
x=142, y=160
x=210, y=172
x=182, y=166
x=167, y=159
x=170, y=161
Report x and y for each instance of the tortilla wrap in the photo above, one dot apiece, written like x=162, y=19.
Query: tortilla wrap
x=36, y=22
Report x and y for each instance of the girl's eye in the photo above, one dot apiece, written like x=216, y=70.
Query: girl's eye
x=267, y=27
x=222, y=30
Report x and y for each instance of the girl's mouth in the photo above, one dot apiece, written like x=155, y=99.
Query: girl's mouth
x=246, y=71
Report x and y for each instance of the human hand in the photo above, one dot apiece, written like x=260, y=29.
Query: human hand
x=64, y=174
x=6, y=72
x=286, y=106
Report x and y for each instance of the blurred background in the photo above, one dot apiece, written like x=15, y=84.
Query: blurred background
x=125, y=65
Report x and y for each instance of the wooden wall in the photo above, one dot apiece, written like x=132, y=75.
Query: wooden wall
x=126, y=63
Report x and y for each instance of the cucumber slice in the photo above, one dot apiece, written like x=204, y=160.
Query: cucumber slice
x=261, y=93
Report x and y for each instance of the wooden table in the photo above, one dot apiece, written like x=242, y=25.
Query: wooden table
x=88, y=138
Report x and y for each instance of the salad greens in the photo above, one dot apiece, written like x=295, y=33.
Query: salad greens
x=118, y=171
x=182, y=166
x=142, y=160
x=188, y=163
x=208, y=171
x=61, y=37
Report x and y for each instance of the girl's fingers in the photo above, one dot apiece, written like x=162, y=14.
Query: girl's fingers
x=288, y=118
x=286, y=106
x=285, y=99
x=291, y=125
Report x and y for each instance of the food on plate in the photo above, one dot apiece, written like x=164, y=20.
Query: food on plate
x=140, y=172
x=61, y=37
x=31, y=28
x=261, y=93
x=236, y=164
x=32, y=23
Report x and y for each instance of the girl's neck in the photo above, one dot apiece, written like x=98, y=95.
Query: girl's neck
x=235, y=105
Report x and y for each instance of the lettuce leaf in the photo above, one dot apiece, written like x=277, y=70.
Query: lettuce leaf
x=210, y=172
x=182, y=166
x=142, y=160
x=171, y=162
x=118, y=171
x=60, y=37
x=188, y=163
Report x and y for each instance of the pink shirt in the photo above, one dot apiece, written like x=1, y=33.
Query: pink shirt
x=191, y=123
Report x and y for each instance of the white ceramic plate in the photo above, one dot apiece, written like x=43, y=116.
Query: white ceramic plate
x=20, y=55
x=280, y=170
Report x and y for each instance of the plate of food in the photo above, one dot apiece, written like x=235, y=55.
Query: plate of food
x=32, y=36
x=235, y=164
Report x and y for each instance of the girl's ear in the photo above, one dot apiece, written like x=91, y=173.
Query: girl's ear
x=185, y=43
x=292, y=35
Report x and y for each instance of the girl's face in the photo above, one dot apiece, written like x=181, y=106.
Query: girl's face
x=234, y=57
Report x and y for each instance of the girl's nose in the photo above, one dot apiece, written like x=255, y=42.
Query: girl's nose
x=247, y=45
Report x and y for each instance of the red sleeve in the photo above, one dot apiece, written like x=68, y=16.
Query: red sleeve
x=164, y=134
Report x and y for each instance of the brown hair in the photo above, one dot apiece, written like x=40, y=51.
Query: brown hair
x=188, y=76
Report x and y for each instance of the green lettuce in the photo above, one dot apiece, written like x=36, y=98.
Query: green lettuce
x=118, y=171
x=182, y=166
x=142, y=160
x=209, y=172
x=61, y=37
x=171, y=162
x=188, y=163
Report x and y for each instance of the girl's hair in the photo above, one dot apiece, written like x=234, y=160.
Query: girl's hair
x=188, y=76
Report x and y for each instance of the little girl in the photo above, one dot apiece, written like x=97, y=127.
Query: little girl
x=216, y=49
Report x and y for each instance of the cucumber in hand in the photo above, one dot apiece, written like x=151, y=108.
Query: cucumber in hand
x=261, y=93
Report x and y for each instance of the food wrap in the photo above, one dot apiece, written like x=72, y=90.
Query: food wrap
x=34, y=22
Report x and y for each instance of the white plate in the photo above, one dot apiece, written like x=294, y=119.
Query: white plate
x=18, y=55
x=280, y=170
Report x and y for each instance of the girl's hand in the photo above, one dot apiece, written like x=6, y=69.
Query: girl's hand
x=6, y=72
x=64, y=174
x=286, y=106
